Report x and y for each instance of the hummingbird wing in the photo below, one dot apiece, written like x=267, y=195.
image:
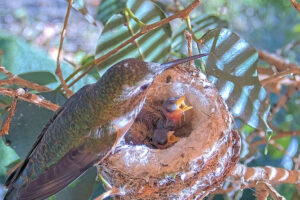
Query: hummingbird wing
x=68, y=168
x=71, y=165
x=15, y=174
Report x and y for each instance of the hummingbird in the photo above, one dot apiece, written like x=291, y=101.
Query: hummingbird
x=85, y=129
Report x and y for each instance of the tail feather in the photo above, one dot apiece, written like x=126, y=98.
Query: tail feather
x=10, y=178
x=11, y=194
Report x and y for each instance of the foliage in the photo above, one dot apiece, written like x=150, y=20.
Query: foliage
x=153, y=46
x=231, y=66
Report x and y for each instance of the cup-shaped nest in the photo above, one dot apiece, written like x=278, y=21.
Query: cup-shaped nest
x=193, y=166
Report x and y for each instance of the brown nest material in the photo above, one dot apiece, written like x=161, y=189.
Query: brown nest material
x=196, y=164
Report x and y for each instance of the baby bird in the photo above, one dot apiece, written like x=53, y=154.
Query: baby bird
x=173, y=110
x=163, y=138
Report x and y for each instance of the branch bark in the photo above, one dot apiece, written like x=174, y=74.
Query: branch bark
x=14, y=79
x=58, y=71
x=250, y=176
x=29, y=97
x=296, y=5
x=275, y=60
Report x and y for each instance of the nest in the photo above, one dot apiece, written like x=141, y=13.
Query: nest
x=203, y=157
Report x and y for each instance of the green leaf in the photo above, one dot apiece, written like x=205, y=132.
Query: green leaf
x=7, y=156
x=200, y=25
x=89, y=59
x=81, y=188
x=98, y=190
x=297, y=28
x=39, y=77
x=19, y=57
x=232, y=66
x=28, y=122
x=289, y=191
x=108, y=8
x=274, y=152
x=154, y=46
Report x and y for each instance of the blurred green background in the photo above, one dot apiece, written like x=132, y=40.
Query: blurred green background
x=29, y=39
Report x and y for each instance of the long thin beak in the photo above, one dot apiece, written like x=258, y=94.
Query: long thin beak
x=182, y=60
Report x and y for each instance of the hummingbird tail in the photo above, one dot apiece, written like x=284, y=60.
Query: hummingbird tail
x=182, y=60
x=11, y=194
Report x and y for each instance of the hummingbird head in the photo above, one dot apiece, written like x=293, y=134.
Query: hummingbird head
x=126, y=83
x=132, y=77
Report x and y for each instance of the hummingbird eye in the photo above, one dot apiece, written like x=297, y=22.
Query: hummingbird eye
x=145, y=86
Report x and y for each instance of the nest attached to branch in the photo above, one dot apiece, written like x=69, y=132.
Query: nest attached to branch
x=196, y=164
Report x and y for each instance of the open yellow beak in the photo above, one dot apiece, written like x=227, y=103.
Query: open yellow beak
x=180, y=104
x=171, y=137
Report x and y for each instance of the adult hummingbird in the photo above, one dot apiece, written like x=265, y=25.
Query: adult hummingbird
x=84, y=129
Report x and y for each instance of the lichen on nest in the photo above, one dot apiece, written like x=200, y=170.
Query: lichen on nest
x=203, y=157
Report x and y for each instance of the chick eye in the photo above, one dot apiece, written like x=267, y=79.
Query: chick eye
x=144, y=87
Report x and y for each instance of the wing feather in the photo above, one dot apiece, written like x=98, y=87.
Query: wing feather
x=15, y=174
x=70, y=167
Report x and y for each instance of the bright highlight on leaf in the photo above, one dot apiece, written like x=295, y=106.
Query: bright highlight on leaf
x=153, y=46
x=232, y=67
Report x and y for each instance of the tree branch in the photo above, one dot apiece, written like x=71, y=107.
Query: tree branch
x=250, y=176
x=264, y=189
x=189, y=36
x=29, y=97
x=276, y=77
x=14, y=79
x=281, y=134
x=275, y=60
x=296, y=5
x=6, y=126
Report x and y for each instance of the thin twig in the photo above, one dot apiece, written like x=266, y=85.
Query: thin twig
x=264, y=189
x=29, y=97
x=127, y=14
x=278, y=76
x=261, y=192
x=290, y=46
x=190, y=46
x=145, y=29
x=296, y=5
x=6, y=126
x=189, y=25
x=14, y=79
x=58, y=71
x=275, y=60
x=281, y=134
